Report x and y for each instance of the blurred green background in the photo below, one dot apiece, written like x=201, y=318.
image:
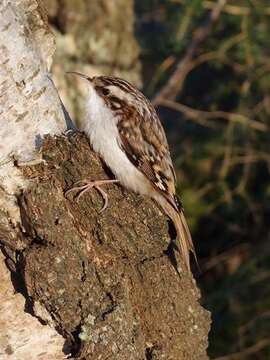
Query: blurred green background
x=206, y=66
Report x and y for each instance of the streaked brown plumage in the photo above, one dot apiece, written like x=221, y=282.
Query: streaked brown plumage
x=125, y=130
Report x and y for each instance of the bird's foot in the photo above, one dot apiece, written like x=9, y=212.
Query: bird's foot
x=88, y=185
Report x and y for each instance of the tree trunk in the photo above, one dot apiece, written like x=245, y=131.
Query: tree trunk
x=102, y=280
x=94, y=37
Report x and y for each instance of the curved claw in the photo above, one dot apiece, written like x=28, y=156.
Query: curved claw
x=84, y=189
x=76, y=188
x=105, y=198
x=83, y=181
x=89, y=185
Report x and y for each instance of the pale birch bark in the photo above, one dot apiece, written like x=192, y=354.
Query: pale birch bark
x=29, y=105
x=29, y=109
x=104, y=281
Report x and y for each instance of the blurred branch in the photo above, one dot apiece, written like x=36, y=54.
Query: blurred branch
x=250, y=158
x=190, y=113
x=164, y=66
x=226, y=164
x=261, y=276
x=233, y=9
x=246, y=329
x=251, y=323
x=242, y=185
x=228, y=44
x=201, y=117
x=260, y=345
x=240, y=250
x=167, y=63
x=172, y=87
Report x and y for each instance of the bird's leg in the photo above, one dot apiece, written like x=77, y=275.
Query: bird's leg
x=88, y=184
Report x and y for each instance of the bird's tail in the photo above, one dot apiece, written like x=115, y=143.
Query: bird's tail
x=182, y=230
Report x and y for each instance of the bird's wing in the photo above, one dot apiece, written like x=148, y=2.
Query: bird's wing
x=144, y=142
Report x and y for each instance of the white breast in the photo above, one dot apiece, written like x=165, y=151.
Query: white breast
x=100, y=125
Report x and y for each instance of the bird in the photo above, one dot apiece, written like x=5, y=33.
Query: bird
x=124, y=129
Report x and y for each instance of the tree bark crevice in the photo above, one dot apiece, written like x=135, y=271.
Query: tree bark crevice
x=104, y=279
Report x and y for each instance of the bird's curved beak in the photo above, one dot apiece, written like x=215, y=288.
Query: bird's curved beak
x=85, y=77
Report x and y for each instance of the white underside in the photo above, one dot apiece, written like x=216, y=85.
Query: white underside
x=100, y=125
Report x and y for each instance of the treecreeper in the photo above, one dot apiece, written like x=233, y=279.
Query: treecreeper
x=124, y=129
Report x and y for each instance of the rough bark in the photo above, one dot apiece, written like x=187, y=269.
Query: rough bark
x=29, y=108
x=102, y=281
x=105, y=280
x=27, y=46
x=21, y=335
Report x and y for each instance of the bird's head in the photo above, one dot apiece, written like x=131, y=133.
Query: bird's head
x=114, y=93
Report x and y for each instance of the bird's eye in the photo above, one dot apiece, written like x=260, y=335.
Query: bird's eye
x=105, y=91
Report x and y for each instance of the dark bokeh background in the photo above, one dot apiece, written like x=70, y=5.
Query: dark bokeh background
x=216, y=115
x=221, y=153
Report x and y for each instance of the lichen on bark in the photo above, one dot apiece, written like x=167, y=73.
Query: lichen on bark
x=104, y=278
x=103, y=281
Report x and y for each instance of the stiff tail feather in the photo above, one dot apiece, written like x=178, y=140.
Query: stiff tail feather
x=183, y=233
